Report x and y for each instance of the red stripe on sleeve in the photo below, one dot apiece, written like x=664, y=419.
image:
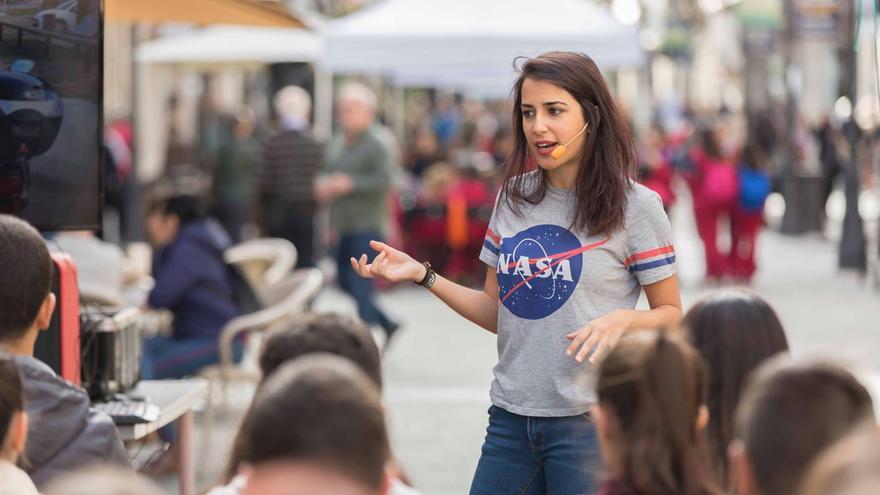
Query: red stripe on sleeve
x=492, y=235
x=649, y=254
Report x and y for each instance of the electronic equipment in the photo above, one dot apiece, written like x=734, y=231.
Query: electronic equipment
x=129, y=412
x=59, y=345
x=112, y=345
x=51, y=84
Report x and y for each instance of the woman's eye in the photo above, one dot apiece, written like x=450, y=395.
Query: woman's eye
x=528, y=113
x=555, y=111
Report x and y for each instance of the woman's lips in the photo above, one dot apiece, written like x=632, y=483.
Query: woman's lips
x=545, y=148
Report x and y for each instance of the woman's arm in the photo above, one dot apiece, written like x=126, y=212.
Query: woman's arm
x=601, y=335
x=478, y=306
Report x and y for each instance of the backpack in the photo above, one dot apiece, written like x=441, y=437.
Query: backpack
x=754, y=187
x=719, y=185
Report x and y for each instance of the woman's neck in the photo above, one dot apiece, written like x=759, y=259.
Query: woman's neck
x=563, y=176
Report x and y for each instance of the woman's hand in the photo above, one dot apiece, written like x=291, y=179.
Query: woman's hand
x=391, y=265
x=599, y=336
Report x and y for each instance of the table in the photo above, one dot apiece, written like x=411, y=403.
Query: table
x=176, y=400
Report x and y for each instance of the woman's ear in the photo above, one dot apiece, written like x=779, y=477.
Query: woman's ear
x=703, y=418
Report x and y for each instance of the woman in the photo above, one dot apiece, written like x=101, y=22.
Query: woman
x=651, y=418
x=735, y=331
x=715, y=189
x=570, y=245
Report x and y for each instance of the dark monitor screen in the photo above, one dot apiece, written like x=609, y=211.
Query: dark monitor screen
x=51, y=82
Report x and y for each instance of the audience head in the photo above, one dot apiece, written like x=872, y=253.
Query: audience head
x=13, y=419
x=788, y=414
x=102, y=480
x=734, y=331
x=849, y=467
x=316, y=426
x=293, y=102
x=166, y=216
x=26, y=299
x=330, y=333
x=356, y=104
x=650, y=415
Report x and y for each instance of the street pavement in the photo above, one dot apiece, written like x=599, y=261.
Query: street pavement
x=439, y=367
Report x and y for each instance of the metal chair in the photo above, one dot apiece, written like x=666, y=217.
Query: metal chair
x=263, y=261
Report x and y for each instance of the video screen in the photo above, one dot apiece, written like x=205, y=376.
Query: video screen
x=51, y=81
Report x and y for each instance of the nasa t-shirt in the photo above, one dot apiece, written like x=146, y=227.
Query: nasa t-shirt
x=553, y=281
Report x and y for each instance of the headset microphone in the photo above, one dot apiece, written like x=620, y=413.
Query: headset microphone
x=560, y=150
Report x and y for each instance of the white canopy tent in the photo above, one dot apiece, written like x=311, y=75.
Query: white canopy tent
x=233, y=44
x=472, y=43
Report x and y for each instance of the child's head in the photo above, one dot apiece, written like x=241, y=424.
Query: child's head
x=650, y=416
x=788, y=414
x=849, y=467
x=734, y=331
x=102, y=480
x=315, y=422
x=26, y=299
x=13, y=419
x=561, y=99
x=330, y=333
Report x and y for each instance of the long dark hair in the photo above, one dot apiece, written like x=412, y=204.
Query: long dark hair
x=609, y=159
x=735, y=331
x=654, y=385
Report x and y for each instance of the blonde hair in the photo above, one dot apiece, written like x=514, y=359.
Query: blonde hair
x=358, y=92
x=293, y=101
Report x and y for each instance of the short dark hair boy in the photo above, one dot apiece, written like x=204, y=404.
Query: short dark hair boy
x=65, y=433
x=333, y=333
x=788, y=414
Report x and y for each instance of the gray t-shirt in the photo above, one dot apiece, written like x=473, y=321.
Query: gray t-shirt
x=553, y=281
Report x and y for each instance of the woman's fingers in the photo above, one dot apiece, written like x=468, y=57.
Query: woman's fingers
x=376, y=267
x=578, y=339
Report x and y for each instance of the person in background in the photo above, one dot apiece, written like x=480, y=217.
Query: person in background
x=787, y=416
x=13, y=431
x=233, y=174
x=64, y=433
x=747, y=216
x=193, y=282
x=713, y=183
x=655, y=171
x=291, y=157
x=650, y=418
x=425, y=151
x=734, y=331
x=354, y=180
x=316, y=427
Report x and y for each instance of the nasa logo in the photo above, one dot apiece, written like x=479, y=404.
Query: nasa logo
x=538, y=270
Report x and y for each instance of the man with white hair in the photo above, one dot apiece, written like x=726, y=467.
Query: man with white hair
x=354, y=181
x=287, y=178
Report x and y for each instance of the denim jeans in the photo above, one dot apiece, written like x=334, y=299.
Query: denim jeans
x=526, y=455
x=167, y=357
x=361, y=289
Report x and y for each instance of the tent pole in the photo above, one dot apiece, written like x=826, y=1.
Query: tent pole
x=323, y=102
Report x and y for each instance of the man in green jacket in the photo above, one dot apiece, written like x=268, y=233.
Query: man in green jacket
x=355, y=178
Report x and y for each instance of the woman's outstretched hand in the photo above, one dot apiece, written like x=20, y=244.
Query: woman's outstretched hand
x=391, y=265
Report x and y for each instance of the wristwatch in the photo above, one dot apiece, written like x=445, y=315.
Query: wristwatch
x=430, y=276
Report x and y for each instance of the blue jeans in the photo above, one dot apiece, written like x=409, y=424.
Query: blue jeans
x=526, y=455
x=167, y=357
x=361, y=289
